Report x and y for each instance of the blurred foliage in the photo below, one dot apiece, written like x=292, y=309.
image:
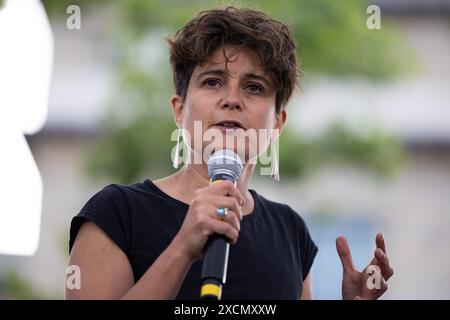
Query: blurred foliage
x=332, y=36
x=17, y=288
x=371, y=149
x=142, y=146
x=332, y=39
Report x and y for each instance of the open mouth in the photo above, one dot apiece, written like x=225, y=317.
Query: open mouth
x=229, y=124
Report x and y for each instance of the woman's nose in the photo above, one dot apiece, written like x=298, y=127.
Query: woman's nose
x=232, y=99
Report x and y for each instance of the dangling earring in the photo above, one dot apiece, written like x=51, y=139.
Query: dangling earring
x=176, y=157
x=274, y=160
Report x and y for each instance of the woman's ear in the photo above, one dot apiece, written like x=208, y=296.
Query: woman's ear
x=280, y=121
x=176, y=102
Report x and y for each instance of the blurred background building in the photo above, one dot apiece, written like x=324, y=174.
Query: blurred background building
x=388, y=134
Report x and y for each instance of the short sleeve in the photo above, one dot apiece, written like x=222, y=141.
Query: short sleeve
x=308, y=249
x=108, y=209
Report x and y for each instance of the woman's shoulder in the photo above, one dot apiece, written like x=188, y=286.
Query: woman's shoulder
x=115, y=197
x=121, y=190
x=116, y=188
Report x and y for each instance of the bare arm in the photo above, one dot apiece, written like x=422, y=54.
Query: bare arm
x=106, y=272
x=307, y=290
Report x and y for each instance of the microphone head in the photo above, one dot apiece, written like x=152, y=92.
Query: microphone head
x=225, y=162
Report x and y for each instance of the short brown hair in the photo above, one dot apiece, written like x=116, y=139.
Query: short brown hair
x=245, y=28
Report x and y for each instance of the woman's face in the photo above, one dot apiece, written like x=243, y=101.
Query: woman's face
x=230, y=106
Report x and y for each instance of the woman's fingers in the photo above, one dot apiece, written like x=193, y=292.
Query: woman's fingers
x=231, y=218
x=383, y=262
x=345, y=255
x=374, y=285
x=381, y=288
x=381, y=257
x=225, y=228
x=226, y=202
x=379, y=240
x=229, y=225
x=225, y=188
x=202, y=219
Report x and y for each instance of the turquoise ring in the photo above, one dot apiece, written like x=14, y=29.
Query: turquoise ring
x=222, y=213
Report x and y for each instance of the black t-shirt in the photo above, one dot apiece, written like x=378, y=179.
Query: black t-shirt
x=272, y=257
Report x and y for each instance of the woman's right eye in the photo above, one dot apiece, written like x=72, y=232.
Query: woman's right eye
x=213, y=83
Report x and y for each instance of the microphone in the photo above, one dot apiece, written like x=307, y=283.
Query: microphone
x=223, y=165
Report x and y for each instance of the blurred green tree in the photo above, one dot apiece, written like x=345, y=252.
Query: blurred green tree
x=332, y=39
x=13, y=286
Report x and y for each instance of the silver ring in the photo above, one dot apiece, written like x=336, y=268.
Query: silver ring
x=222, y=213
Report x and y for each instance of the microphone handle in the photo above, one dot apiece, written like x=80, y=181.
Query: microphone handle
x=214, y=269
x=215, y=259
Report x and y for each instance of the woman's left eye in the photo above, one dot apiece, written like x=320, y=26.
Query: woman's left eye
x=253, y=88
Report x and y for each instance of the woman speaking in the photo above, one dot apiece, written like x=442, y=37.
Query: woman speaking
x=234, y=71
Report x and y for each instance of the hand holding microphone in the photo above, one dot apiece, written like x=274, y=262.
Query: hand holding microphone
x=224, y=166
x=206, y=230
